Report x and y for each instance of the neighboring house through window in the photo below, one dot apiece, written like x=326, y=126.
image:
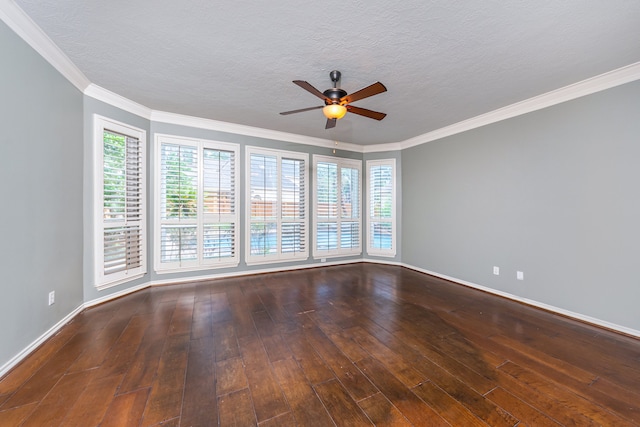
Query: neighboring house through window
x=120, y=221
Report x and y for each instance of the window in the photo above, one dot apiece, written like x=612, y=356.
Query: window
x=277, y=200
x=337, y=206
x=120, y=208
x=196, y=204
x=381, y=217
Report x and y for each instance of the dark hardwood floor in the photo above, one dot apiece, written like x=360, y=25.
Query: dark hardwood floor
x=352, y=345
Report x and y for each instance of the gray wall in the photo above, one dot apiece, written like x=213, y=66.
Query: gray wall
x=41, y=193
x=553, y=193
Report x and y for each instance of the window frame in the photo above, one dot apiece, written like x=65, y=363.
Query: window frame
x=371, y=219
x=279, y=256
x=102, y=280
x=200, y=263
x=341, y=163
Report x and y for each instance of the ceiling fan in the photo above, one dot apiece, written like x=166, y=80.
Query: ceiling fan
x=338, y=102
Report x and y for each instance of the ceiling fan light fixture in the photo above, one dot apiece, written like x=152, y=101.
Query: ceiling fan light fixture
x=334, y=111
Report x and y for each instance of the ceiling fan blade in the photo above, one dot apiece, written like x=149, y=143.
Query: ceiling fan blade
x=331, y=123
x=301, y=110
x=365, y=112
x=368, y=91
x=307, y=86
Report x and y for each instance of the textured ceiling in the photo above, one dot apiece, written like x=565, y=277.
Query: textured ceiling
x=443, y=61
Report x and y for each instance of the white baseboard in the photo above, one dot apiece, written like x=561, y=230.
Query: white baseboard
x=41, y=339
x=55, y=328
x=250, y=272
x=581, y=317
x=116, y=295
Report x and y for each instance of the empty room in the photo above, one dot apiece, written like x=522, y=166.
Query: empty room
x=282, y=213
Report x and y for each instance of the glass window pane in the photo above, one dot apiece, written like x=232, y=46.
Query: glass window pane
x=264, y=186
x=263, y=238
x=327, y=190
x=219, y=241
x=381, y=191
x=350, y=198
x=292, y=237
x=326, y=236
x=219, y=182
x=292, y=189
x=178, y=243
x=114, y=176
x=381, y=235
x=178, y=182
x=349, y=235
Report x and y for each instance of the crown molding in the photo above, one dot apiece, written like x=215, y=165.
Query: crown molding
x=32, y=34
x=209, y=124
x=118, y=101
x=589, y=86
x=379, y=148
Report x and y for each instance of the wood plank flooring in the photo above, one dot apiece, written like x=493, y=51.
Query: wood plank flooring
x=352, y=345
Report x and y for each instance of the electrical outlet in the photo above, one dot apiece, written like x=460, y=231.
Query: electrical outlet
x=52, y=297
x=496, y=270
x=519, y=275
x=323, y=260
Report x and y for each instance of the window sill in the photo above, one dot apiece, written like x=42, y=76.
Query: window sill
x=107, y=285
x=169, y=270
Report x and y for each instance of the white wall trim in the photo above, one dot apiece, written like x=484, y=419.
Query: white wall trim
x=209, y=124
x=115, y=100
x=571, y=314
x=589, y=86
x=31, y=33
x=55, y=328
x=38, y=341
x=586, y=87
x=251, y=272
x=381, y=148
x=115, y=295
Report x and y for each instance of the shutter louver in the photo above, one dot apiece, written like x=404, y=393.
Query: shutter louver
x=219, y=204
x=293, y=201
x=122, y=204
x=381, y=209
x=179, y=203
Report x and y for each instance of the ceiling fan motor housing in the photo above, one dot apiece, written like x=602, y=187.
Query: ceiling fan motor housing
x=333, y=95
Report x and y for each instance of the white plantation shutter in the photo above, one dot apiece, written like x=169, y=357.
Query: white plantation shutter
x=277, y=220
x=350, y=208
x=178, y=204
x=219, y=205
x=197, y=204
x=120, y=162
x=337, y=206
x=381, y=207
x=293, y=212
